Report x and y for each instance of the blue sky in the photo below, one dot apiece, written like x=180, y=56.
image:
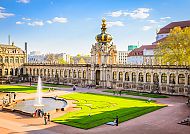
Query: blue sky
x=71, y=25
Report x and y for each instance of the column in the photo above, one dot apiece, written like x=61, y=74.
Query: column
x=168, y=78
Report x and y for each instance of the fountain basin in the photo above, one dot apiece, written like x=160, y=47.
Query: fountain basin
x=49, y=104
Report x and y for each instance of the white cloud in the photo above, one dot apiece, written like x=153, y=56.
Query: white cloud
x=57, y=20
x=23, y=1
x=36, y=23
x=49, y=21
x=19, y=22
x=115, y=23
x=139, y=13
x=152, y=21
x=163, y=18
x=60, y=20
x=146, y=28
x=4, y=14
x=116, y=13
x=27, y=19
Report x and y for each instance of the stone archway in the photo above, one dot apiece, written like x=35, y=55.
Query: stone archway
x=97, y=77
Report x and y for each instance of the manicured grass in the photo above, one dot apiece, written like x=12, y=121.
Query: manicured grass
x=54, y=85
x=14, y=88
x=137, y=94
x=95, y=109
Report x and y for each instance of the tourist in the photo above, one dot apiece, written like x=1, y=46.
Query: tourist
x=74, y=87
x=45, y=119
x=120, y=92
x=14, y=96
x=48, y=117
x=117, y=121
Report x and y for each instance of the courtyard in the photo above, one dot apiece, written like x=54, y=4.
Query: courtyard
x=92, y=108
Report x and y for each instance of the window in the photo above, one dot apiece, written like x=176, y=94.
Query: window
x=148, y=77
x=16, y=60
x=140, y=77
x=84, y=74
x=172, y=78
x=79, y=74
x=114, y=75
x=188, y=79
x=1, y=59
x=120, y=76
x=127, y=76
x=181, y=79
x=155, y=77
x=74, y=74
x=22, y=60
x=133, y=77
x=6, y=71
x=11, y=60
x=164, y=78
x=6, y=60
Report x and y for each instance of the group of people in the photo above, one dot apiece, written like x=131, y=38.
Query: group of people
x=117, y=92
x=74, y=88
x=51, y=89
x=40, y=113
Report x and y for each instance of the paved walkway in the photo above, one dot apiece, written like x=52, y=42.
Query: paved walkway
x=161, y=121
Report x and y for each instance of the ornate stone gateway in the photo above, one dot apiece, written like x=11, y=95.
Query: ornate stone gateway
x=97, y=77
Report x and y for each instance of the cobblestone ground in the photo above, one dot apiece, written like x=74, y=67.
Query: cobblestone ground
x=163, y=121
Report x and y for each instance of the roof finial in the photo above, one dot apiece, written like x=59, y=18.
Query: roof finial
x=103, y=25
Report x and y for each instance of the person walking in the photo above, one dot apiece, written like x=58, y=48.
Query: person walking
x=48, y=117
x=74, y=87
x=45, y=119
x=117, y=121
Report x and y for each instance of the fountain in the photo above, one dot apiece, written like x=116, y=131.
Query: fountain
x=45, y=103
x=39, y=104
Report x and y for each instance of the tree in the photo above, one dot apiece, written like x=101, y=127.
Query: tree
x=62, y=61
x=174, y=49
x=81, y=61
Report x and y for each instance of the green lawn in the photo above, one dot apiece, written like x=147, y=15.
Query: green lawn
x=54, y=85
x=14, y=88
x=138, y=94
x=96, y=110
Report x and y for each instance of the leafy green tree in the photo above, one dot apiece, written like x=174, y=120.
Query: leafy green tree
x=62, y=61
x=174, y=49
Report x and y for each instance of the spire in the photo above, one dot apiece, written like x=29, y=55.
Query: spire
x=103, y=25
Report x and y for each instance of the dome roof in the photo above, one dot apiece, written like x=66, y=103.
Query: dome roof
x=103, y=37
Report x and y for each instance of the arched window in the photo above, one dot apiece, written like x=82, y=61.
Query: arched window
x=37, y=72
x=44, y=72
x=148, y=77
x=60, y=73
x=134, y=77
x=172, y=78
x=48, y=72
x=11, y=60
x=16, y=60
x=21, y=71
x=155, y=77
x=6, y=59
x=52, y=72
x=74, y=74
x=1, y=59
x=65, y=73
x=79, y=74
x=120, y=75
x=41, y=72
x=11, y=71
x=69, y=73
x=181, y=79
x=84, y=74
x=26, y=70
x=34, y=73
x=16, y=71
x=21, y=60
x=127, y=76
x=114, y=75
x=30, y=71
x=189, y=79
x=140, y=77
x=164, y=78
x=6, y=71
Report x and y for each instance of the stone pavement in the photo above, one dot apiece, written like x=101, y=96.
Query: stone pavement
x=161, y=121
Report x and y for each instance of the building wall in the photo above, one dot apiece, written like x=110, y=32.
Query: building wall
x=122, y=57
x=171, y=79
x=161, y=36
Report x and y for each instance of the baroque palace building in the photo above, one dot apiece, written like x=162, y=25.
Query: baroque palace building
x=11, y=60
x=104, y=71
